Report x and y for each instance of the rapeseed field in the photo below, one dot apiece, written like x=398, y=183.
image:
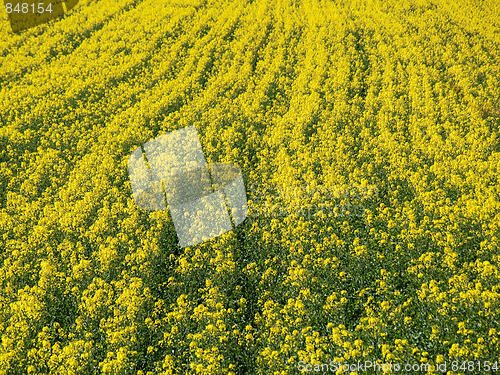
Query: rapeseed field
x=367, y=134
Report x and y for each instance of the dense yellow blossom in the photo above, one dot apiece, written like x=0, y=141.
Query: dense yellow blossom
x=367, y=135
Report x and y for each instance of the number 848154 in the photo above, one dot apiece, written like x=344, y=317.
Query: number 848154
x=28, y=8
